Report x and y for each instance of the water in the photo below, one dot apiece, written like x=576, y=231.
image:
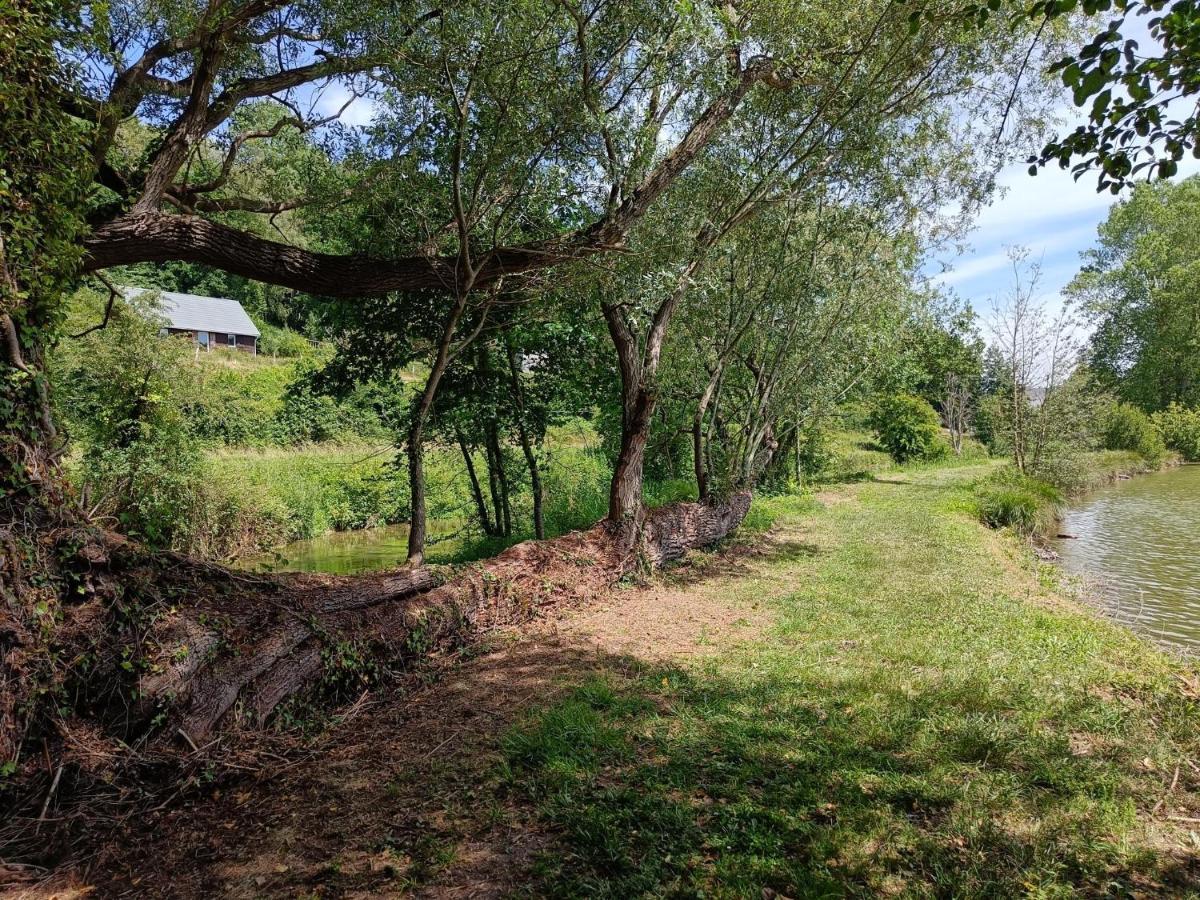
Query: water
x=1137, y=543
x=338, y=553
x=353, y=552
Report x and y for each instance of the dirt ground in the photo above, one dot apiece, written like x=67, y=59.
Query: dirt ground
x=397, y=799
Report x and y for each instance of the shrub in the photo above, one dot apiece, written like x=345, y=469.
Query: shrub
x=283, y=342
x=908, y=427
x=1126, y=427
x=1012, y=500
x=1180, y=430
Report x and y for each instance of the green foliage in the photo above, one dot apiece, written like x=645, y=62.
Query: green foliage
x=253, y=500
x=1126, y=427
x=1012, y=500
x=282, y=342
x=1141, y=288
x=43, y=176
x=941, y=341
x=908, y=427
x=1131, y=129
x=140, y=457
x=1180, y=430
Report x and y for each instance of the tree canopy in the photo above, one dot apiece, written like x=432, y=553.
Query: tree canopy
x=1141, y=287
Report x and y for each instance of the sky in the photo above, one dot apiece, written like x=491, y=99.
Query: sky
x=1050, y=214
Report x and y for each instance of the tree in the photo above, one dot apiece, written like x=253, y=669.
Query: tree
x=1040, y=352
x=794, y=316
x=1141, y=289
x=889, y=136
x=591, y=65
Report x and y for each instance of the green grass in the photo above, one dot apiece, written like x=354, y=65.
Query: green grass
x=1010, y=499
x=265, y=497
x=926, y=718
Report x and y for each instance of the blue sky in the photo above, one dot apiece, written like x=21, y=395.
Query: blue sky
x=1051, y=214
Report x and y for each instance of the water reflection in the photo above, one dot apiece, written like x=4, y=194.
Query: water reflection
x=344, y=552
x=1138, y=543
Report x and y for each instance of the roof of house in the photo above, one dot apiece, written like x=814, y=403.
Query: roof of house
x=195, y=313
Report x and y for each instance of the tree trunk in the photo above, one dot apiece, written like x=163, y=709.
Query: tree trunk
x=209, y=648
x=498, y=480
x=535, y=475
x=274, y=648
x=637, y=409
x=625, y=491
x=416, y=435
x=481, y=509
x=698, y=454
x=416, y=489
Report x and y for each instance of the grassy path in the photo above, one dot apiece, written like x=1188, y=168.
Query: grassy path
x=926, y=718
x=879, y=698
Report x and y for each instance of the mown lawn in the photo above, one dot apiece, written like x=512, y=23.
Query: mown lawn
x=927, y=718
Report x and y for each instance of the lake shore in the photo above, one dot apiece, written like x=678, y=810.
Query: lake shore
x=871, y=693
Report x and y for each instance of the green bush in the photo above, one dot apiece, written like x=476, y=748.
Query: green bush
x=1180, y=430
x=283, y=342
x=137, y=457
x=1125, y=427
x=908, y=427
x=1012, y=500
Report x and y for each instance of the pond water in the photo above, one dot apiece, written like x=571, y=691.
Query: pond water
x=1137, y=545
x=347, y=552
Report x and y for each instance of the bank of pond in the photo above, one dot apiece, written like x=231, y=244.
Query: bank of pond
x=1132, y=542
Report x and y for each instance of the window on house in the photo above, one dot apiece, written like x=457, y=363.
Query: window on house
x=233, y=340
x=202, y=339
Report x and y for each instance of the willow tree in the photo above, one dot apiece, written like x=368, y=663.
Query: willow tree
x=605, y=103
x=790, y=323
x=907, y=119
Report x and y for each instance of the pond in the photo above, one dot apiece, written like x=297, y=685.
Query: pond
x=345, y=552
x=1137, y=545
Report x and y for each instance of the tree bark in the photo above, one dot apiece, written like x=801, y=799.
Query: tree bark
x=703, y=488
x=531, y=462
x=637, y=408
x=219, y=657
x=416, y=434
x=309, y=614
x=476, y=492
x=497, y=479
x=625, y=491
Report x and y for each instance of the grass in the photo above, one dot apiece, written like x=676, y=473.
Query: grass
x=927, y=718
x=272, y=495
x=1010, y=499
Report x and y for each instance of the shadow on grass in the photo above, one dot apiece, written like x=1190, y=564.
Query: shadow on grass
x=739, y=557
x=670, y=784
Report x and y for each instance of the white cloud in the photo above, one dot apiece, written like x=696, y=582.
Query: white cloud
x=973, y=266
x=358, y=114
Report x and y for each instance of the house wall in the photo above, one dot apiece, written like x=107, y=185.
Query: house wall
x=246, y=343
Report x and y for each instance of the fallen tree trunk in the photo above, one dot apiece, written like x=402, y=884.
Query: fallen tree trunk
x=168, y=651
x=162, y=662
x=326, y=636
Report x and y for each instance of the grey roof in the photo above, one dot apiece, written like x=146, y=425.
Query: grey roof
x=195, y=313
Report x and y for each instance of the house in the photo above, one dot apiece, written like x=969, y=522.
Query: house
x=209, y=321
